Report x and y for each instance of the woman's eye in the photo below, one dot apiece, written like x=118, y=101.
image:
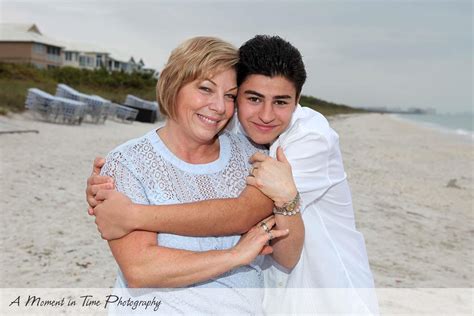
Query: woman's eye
x=205, y=89
x=231, y=96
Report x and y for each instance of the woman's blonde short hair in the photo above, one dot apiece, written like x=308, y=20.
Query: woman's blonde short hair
x=197, y=58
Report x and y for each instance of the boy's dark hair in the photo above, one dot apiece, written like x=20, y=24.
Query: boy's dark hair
x=271, y=56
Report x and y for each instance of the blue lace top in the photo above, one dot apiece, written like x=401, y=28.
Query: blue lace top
x=149, y=173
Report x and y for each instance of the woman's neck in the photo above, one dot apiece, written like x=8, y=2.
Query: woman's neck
x=185, y=147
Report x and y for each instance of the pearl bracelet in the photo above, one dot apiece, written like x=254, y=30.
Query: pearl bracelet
x=290, y=208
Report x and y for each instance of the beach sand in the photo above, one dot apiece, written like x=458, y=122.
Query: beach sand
x=419, y=230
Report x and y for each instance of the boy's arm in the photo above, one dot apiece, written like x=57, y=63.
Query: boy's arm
x=146, y=264
x=218, y=217
x=117, y=216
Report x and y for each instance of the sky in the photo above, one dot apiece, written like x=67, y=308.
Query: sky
x=363, y=53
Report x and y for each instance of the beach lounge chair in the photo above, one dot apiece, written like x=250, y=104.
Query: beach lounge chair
x=47, y=107
x=97, y=108
x=147, y=110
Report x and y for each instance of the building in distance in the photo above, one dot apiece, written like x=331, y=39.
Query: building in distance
x=25, y=43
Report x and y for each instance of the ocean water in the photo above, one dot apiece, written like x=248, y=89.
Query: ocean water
x=460, y=124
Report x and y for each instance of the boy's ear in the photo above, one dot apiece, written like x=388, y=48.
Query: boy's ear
x=297, y=102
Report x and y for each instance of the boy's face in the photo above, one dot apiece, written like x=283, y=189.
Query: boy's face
x=265, y=106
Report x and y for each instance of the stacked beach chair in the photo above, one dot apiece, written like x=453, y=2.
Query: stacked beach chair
x=47, y=107
x=123, y=114
x=147, y=110
x=97, y=108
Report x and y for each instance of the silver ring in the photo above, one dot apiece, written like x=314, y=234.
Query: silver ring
x=251, y=171
x=270, y=234
x=265, y=227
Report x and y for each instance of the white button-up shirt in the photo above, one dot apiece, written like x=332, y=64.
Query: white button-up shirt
x=334, y=254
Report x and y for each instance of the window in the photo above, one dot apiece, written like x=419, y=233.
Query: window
x=39, y=48
x=98, y=61
x=54, y=50
x=86, y=61
x=68, y=56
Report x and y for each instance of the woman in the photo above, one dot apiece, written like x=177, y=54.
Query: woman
x=186, y=161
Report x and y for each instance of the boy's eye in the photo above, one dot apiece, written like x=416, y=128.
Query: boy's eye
x=254, y=99
x=280, y=102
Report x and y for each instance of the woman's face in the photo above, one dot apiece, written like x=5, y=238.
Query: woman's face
x=204, y=106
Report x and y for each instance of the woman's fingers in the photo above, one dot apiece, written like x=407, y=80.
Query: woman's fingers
x=269, y=234
x=268, y=218
x=266, y=250
x=277, y=233
x=269, y=221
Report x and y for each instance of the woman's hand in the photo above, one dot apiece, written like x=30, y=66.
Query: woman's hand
x=273, y=177
x=255, y=241
x=95, y=183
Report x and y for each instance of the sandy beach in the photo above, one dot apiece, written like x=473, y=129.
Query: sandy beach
x=412, y=190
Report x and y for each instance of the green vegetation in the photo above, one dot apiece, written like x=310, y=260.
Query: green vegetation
x=327, y=108
x=16, y=79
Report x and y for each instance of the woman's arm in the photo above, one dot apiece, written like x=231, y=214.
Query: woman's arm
x=145, y=264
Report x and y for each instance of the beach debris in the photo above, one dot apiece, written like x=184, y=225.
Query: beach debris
x=46, y=252
x=452, y=184
x=83, y=265
x=20, y=131
x=416, y=214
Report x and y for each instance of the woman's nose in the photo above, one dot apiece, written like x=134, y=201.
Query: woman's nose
x=218, y=104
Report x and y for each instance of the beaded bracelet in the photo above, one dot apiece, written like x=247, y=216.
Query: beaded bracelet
x=290, y=208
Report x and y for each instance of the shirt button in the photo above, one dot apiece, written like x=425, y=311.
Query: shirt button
x=280, y=284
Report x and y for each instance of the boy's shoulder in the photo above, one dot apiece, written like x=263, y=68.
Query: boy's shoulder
x=306, y=120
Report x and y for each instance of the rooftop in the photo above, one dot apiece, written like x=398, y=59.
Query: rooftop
x=12, y=32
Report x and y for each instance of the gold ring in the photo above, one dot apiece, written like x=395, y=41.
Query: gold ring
x=264, y=226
